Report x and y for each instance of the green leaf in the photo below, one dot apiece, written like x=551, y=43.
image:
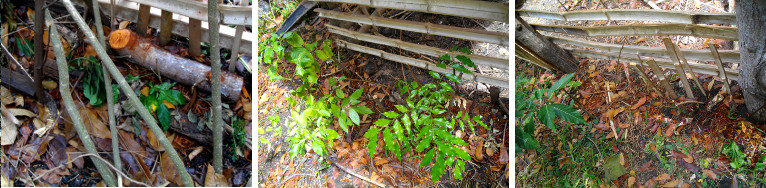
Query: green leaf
x=460, y=68
x=388, y=139
x=391, y=114
x=342, y=121
x=459, y=167
x=163, y=115
x=293, y=39
x=445, y=57
x=373, y=144
x=356, y=94
x=437, y=111
x=467, y=61
x=427, y=158
x=300, y=56
x=423, y=144
x=567, y=113
x=318, y=146
x=401, y=108
x=546, y=115
x=330, y=134
x=453, y=78
x=362, y=109
x=435, y=74
x=354, y=116
x=559, y=84
x=173, y=96
x=465, y=50
x=339, y=93
x=382, y=122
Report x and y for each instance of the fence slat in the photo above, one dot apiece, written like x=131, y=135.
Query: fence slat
x=166, y=25
x=646, y=79
x=664, y=63
x=679, y=59
x=417, y=48
x=420, y=27
x=697, y=55
x=230, y=15
x=462, y=8
x=501, y=82
x=719, y=64
x=195, y=35
x=684, y=81
x=143, y=19
x=661, y=76
x=728, y=33
x=684, y=17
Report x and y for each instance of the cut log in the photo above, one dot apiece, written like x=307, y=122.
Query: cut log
x=182, y=70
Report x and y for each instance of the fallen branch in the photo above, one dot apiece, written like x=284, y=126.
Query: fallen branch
x=68, y=103
x=128, y=91
x=182, y=70
x=99, y=158
x=354, y=174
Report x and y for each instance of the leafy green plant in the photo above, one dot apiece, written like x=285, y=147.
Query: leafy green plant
x=239, y=135
x=155, y=98
x=272, y=52
x=532, y=107
x=93, y=80
x=731, y=150
x=422, y=122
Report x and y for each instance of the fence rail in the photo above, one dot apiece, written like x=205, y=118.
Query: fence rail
x=230, y=15
x=462, y=8
x=682, y=17
x=728, y=33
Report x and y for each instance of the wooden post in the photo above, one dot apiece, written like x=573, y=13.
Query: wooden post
x=543, y=47
x=686, y=67
x=719, y=64
x=143, y=19
x=678, y=58
x=684, y=81
x=235, y=47
x=661, y=76
x=195, y=37
x=166, y=27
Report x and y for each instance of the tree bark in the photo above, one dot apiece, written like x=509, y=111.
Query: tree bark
x=752, y=36
x=543, y=47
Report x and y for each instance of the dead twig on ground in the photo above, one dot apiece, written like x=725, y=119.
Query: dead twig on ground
x=99, y=158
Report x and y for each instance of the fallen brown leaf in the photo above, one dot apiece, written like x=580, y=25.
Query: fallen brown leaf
x=213, y=179
x=639, y=103
x=631, y=181
x=662, y=177
x=673, y=183
x=711, y=174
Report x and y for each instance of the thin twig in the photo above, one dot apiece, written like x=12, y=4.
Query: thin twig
x=15, y=61
x=354, y=174
x=99, y=158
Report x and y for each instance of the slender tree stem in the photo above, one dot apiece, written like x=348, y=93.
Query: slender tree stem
x=215, y=65
x=39, y=53
x=66, y=96
x=128, y=91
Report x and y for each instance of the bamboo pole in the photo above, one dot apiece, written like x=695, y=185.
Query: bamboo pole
x=417, y=48
x=68, y=103
x=143, y=112
x=664, y=63
x=684, y=81
x=420, y=27
x=684, y=17
x=656, y=29
x=661, y=76
x=524, y=53
x=697, y=55
x=502, y=82
x=109, y=96
x=719, y=64
x=675, y=54
x=462, y=8
x=215, y=65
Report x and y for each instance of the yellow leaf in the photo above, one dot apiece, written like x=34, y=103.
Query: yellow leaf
x=47, y=84
x=631, y=181
x=663, y=176
x=124, y=24
x=145, y=91
x=673, y=183
x=168, y=104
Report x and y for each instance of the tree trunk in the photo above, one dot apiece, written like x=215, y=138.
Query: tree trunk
x=543, y=47
x=752, y=36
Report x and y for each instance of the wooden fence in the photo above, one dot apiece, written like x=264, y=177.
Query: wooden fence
x=640, y=57
x=462, y=8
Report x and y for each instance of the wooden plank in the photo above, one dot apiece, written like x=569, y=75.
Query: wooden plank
x=166, y=25
x=684, y=81
x=655, y=29
x=420, y=27
x=195, y=36
x=129, y=11
x=679, y=59
x=664, y=63
x=719, y=64
x=684, y=17
x=524, y=53
x=656, y=52
x=501, y=82
x=661, y=76
x=230, y=15
x=143, y=19
x=417, y=48
x=645, y=78
x=462, y=8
